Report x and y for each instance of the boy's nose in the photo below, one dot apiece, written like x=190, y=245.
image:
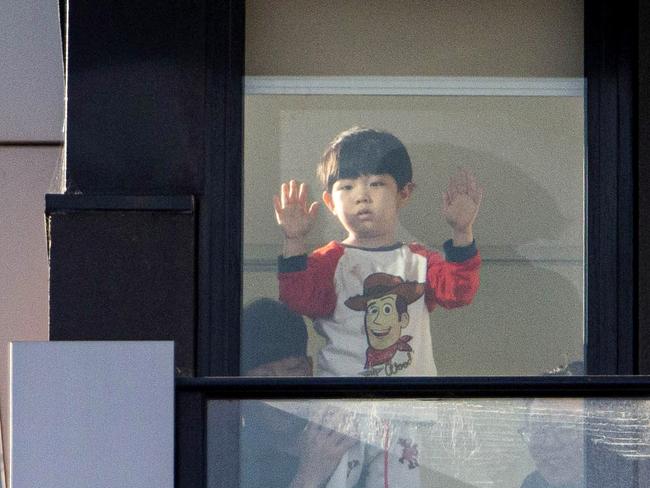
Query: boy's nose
x=363, y=196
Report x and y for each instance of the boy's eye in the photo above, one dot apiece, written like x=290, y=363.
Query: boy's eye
x=377, y=183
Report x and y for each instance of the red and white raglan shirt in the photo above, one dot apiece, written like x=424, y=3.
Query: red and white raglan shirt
x=343, y=289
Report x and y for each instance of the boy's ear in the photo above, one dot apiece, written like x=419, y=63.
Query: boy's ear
x=406, y=192
x=327, y=199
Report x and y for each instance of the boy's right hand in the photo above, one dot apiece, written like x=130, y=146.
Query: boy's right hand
x=292, y=212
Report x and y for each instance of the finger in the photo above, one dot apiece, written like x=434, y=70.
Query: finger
x=472, y=183
x=313, y=210
x=458, y=182
x=466, y=178
x=480, y=191
x=284, y=195
x=277, y=206
x=450, y=184
x=461, y=179
x=302, y=194
x=293, y=191
x=451, y=189
x=470, y=179
x=301, y=197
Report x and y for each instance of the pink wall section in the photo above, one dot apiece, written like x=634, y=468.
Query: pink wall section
x=25, y=175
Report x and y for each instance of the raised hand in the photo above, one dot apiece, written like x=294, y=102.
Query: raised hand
x=460, y=204
x=292, y=212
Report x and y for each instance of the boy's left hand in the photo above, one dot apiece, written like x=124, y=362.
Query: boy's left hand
x=461, y=202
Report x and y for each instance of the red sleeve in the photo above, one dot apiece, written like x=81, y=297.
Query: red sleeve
x=307, y=282
x=449, y=284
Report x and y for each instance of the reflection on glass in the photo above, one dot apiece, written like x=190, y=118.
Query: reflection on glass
x=528, y=153
x=274, y=341
x=553, y=430
x=540, y=443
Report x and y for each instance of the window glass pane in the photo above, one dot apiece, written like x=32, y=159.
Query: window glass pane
x=513, y=118
x=568, y=442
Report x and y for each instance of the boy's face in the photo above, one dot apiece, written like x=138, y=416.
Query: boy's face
x=368, y=207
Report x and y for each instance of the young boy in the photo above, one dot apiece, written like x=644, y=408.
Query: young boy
x=369, y=295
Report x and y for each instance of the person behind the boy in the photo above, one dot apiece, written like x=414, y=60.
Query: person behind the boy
x=370, y=295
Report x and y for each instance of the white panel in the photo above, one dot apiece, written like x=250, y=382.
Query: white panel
x=92, y=414
x=31, y=71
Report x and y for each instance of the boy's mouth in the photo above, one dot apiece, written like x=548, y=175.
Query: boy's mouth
x=364, y=213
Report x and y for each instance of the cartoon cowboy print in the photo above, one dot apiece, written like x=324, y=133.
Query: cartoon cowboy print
x=385, y=301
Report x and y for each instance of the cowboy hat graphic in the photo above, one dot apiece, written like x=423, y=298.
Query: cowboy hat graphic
x=378, y=285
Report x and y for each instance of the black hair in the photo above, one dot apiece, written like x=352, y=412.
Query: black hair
x=270, y=332
x=359, y=151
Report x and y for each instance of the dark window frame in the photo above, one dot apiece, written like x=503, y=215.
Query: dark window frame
x=611, y=73
x=612, y=348
x=194, y=394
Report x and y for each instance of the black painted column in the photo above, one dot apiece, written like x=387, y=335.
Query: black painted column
x=611, y=67
x=132, y=240
x=644, y=185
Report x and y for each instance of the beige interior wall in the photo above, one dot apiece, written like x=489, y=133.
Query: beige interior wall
x=527, y=152
x=522, y=38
